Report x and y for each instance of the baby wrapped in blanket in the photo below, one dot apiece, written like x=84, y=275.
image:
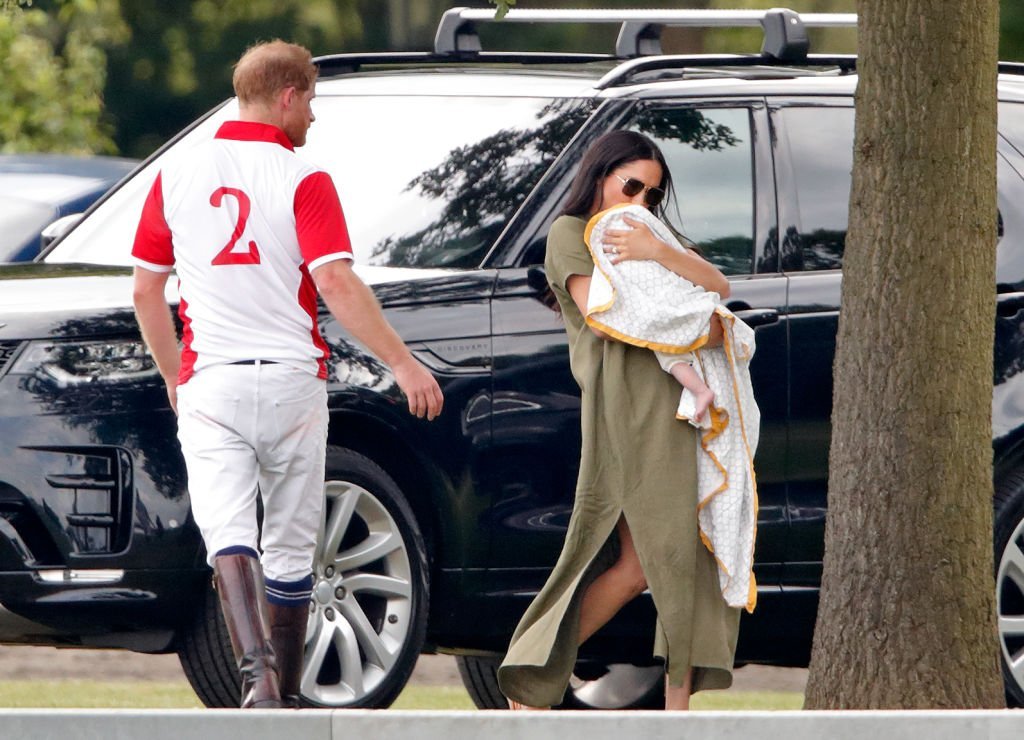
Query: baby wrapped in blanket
x=640, y=302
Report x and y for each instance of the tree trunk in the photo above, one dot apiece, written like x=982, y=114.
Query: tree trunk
x=907, y=614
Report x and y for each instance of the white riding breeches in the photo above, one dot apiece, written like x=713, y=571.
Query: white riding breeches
x=253, y=430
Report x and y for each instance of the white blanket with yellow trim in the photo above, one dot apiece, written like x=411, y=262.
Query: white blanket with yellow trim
x=647, y=305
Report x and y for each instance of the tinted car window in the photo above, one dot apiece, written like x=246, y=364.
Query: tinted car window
x=433, y=189
x=821, y=154
x=709, y=154
x=1011, y=124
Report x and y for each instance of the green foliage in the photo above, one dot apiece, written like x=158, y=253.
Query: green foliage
x=178, y=61
x=1011, y=30
x=9, y=6
x=158, y=66
x=503, y=7
x=831, y=40
x=51, y=93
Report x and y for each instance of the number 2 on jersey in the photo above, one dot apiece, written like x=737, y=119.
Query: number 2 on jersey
x=226, y=256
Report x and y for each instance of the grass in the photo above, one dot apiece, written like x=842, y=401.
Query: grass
x=98, y=694
x=433, y=697
x=747, y=701
x=178, y=695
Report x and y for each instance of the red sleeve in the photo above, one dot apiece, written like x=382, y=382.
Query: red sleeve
x=153, y=243
x=319, y=221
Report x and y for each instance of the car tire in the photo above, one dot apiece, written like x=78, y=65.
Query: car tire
x=206, y=657
x=617, y=686
x=1008, y=540
x=368, y=613
x=480, y=678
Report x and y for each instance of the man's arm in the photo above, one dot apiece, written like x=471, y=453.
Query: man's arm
x=157, y=325
x=355, y=306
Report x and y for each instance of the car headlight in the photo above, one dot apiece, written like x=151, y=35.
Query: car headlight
x=82, y=363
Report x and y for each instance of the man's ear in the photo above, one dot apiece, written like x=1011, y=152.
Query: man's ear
x=287, y=97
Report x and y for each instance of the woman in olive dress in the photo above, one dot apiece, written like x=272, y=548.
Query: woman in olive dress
x=634, y=521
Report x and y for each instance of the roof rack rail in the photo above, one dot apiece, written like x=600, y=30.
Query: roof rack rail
x=1011, y=68
x=633, y=67
x=337, y=64
x=785, y=32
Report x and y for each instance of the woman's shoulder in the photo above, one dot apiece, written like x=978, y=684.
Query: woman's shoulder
x=567, y=253
x=566, y=234
x=567, y=226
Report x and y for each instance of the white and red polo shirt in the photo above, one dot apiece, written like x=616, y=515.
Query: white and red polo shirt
x=243, y=220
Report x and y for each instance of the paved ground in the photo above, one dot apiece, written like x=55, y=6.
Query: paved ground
x=21, y=663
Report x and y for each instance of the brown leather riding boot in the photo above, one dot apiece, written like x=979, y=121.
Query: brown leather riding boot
x=239, y=581
x=288, y=635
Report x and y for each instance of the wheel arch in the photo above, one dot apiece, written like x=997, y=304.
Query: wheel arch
x=414, y=474
x=1008, y=455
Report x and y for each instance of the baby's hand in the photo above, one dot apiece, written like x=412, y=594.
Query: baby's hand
x=636, y=243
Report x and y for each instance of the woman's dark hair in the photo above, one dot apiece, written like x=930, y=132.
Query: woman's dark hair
x=609, y=152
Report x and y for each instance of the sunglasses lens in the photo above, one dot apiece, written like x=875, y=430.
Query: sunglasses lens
x=653, y=197
x=631, y=187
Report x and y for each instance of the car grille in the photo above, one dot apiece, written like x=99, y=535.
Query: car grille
x=7, y=350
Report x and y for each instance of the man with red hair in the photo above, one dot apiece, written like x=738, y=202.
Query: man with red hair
x=254, y=233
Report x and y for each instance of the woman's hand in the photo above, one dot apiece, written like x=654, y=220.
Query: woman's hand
x=640, y=243
x=637, y=243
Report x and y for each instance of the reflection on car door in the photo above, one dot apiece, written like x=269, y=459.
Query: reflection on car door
x=814, y=156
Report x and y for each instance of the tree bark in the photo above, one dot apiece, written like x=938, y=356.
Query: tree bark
x=907, y=613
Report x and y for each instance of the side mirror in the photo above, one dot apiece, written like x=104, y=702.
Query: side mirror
x=59, y=228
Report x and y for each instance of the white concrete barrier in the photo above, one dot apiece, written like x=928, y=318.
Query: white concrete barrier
x=231, y=724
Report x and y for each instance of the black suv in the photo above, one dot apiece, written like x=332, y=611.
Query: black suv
x=451, y=166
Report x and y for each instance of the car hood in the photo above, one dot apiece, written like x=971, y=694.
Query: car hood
x=41, y=300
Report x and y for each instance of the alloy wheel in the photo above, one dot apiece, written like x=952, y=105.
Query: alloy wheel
x=1010, y=604
x=360, y=611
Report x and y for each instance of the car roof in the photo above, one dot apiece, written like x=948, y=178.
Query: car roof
x=606, y=79
x=57, y=178
x=454, y=79
x=459, y=65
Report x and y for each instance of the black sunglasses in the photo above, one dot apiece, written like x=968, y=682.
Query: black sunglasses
x=631, y=186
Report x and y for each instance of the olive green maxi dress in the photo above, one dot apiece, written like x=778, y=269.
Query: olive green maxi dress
x=637, y=461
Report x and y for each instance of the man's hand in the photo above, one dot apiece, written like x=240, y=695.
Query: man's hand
x=157, y=327
x=420, y=388
x=172, y=397
x=355, y=306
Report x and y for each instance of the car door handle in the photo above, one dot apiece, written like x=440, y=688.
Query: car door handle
x=754, y=317
x=1009, y=304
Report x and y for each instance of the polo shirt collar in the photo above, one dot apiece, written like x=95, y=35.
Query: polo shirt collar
x=254, y=131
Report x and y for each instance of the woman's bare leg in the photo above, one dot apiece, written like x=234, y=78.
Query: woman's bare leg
x=608, y=593
x=614, y=588
x=678, y=697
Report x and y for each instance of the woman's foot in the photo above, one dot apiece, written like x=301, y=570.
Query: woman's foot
x=516, y=706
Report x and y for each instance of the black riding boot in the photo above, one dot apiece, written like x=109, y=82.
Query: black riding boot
x=239, y=581
x=288, y=635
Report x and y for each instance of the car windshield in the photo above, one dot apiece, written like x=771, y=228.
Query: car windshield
x=425, y=181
